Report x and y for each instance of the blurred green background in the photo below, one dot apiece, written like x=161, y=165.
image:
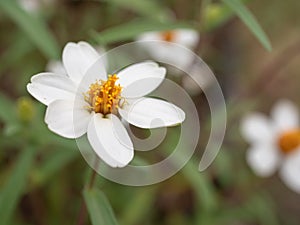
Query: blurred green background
x=42, y=175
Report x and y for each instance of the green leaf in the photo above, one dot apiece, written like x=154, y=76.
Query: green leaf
x=15, y=185
x=133, y=28
x=99, y=208
x=247, y=17
x=35, y=28
x=205, y=192
x=149, y=8
x=201, y=185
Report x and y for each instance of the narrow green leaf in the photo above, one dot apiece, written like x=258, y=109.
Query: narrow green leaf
x=150, y=8
x=99, y=208
x=201, y=185
x=247, y=17
x=205, y=192
x=15, y=185
x=132, y=29
x=35, y=28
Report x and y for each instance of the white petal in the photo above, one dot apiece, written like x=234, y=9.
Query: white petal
x=170, y=53
x=263, y=159
x=151, y=113
x=56, y=67
x=290, y=171
x=95, y=72
x=140, y=79
x=67, y=119
x=77, y=58
x=109, y=139
x=186, y=37
x=257, y=128
x=48, y=87
x=150, y=36
x=31, y=6
x=285, y=115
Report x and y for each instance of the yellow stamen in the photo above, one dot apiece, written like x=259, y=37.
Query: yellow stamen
x=168, y=36
x=289, y=141
x=104, y=96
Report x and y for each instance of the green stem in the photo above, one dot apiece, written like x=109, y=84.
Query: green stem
x=83, y=210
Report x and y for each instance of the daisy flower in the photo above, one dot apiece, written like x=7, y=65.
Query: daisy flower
x=187, y=38
x=89, y=101
x=275, y=143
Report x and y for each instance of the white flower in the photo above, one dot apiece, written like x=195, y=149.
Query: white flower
x=187, y=38
x=87, y=100
x=33, y=6
x=275, y=143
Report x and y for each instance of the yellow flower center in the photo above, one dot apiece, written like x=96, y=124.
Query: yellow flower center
x=168, y=36
x=289, y=141
x=104, y=96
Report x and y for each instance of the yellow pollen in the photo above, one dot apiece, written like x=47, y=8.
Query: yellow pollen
x=168, y=36
x=104, y=96
x=289, y=141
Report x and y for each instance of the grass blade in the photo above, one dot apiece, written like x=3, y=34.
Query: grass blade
x=15, y=185
x=35, y=29
x=149, y=8
x=99, y=208
x=247, y=17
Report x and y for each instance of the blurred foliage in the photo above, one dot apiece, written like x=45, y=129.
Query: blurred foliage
x=43, y=175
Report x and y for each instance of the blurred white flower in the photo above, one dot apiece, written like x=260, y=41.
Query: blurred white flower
x=34, y=6
x=187, y=38
x=275, y=143
x=87, y=100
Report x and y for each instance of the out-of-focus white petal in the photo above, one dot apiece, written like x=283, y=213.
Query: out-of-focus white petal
x=56, y=67
x=150, y=36
x=140, y=79
x=48, y=87
x=285, y=115
x=109, y=139
x=290, y=171
x=256, y=127
x=263, y=159
x=186, y=37
x=31, y=6
x=78, y=58
x=171, y=53
x=68, y=118
x=151, y=113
